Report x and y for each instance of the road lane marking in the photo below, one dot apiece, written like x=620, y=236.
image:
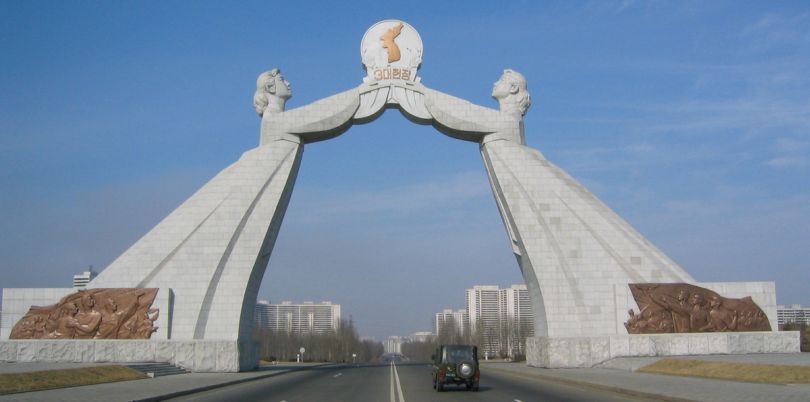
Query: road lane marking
x=337, y=375
x=393, y=395
x=399, y=385
x=396, y=390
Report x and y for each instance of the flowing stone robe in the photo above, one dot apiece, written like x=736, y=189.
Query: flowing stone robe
x=571, y=248
x=213, y=249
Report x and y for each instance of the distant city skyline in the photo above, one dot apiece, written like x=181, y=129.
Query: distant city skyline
x=689, y=119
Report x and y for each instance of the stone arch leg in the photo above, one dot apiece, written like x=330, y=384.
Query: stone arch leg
x=525, y=264
x=212, y=250
x=572, y=249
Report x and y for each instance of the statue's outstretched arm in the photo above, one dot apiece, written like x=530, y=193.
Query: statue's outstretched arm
x=323, y=119
x=459, y=118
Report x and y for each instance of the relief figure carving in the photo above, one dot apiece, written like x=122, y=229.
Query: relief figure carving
x=64, y=325
x=681, y=307
x=76, y=316
x=88, y=318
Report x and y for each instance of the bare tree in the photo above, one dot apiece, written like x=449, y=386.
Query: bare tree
x=332, y=346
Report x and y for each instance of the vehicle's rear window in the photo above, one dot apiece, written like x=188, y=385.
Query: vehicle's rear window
x=458, y=354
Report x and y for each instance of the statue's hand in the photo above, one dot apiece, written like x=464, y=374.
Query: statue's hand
x=369, y=87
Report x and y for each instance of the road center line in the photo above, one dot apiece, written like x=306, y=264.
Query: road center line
x=393, y=396
x=399, y=385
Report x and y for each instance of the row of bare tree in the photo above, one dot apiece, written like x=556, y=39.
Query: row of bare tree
x=497, y=339
x=342, y=345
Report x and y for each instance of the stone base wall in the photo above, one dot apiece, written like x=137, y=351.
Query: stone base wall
x=574, y=352
x=194, y=355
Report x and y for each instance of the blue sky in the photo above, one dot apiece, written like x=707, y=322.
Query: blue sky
x=690, y=119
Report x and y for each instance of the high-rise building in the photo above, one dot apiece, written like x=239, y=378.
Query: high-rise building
x=502, y=317
x=307, y=317
x=516, y=310
x=484, y=307
x=792, y=313
x=81, y=280
x=393, y=344
x=423, y=336
x=458, y=321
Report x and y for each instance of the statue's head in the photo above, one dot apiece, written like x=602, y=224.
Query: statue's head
x=271, y=90
x=70, y=308
x=111, y=305
x=512, y=92
x=88, y=301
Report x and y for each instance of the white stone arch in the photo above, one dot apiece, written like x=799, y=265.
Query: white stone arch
x=212, y=251
x=576, y=255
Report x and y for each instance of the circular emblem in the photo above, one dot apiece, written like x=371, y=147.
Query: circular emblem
x=391, y=50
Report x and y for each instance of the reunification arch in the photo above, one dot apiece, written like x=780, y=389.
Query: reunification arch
x=573, y=251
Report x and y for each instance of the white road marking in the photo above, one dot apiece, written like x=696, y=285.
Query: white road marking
x=518, y=400
x=336, y=376
x=399, y=386
x=395, y=380
x=393, y=395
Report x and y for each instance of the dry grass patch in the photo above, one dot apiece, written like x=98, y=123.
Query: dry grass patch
x=50, y=379
x=767, y=373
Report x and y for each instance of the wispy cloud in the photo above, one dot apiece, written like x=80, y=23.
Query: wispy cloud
x=774, y=30
x=624, y=4
x=791, y=145
x=789, y=161
x=790, y=153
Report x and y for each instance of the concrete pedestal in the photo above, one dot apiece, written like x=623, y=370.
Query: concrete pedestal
x=194, y=355
x=571, y=352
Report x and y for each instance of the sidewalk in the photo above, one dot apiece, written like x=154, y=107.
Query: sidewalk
x=139, y=390
x=619, y=375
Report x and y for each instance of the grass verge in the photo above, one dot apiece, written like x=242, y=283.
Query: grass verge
x=765, y=373
x=50, y=379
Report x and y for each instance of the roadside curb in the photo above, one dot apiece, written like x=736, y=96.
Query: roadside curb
x=592, y=385
x=224, y=384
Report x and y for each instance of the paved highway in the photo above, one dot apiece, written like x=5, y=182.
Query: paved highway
x=395, y=383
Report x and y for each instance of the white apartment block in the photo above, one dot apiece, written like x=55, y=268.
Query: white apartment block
x=394, y=344
x=515, y=304
x=304, y=318
x=81, y=280
x=490, y=305
x=459, y=319
x=483, y=306
x=504, y=317
x=423, y=336
x=792, y=313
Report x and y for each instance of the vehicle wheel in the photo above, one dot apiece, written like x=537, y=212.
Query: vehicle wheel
x=475, y=387
x=469, y=386
x=439, y=387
